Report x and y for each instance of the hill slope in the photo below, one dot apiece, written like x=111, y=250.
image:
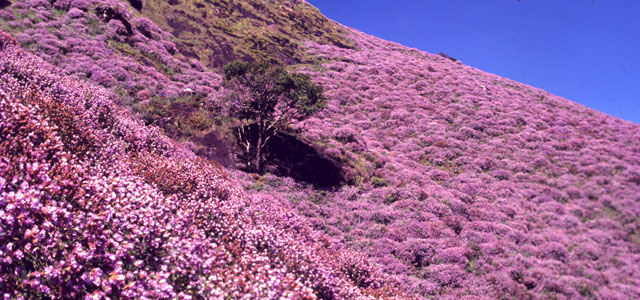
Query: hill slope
x=217, y=32
x=477, y=185
x=94, y=204
x=464, y=184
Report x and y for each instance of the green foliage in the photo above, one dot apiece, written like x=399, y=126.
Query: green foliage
x=264, y=100
x=391, y=197
x=379, y=182
x=319, y=197
x=270, y=90
x=472, y=266
x=257, y=186
x=143, y=58
x=586, y=291
x=178, y=117
x=198, y=121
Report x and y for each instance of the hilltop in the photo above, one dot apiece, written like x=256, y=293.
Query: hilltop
x=423, y=176
x=216, y=32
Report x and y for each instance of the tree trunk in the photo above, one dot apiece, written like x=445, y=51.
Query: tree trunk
x=259, y=151
x=245, y=139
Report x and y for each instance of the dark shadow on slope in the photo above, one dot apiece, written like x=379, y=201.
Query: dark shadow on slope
x=137, y=4
x=4, y=3
x=215, y=148
x=289, y=156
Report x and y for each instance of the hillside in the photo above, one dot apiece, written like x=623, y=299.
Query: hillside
x=95, y=204
x=478, y=185
x=445, y=181
x=216, y=32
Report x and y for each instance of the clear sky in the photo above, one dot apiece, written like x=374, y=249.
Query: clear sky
x=587, y=51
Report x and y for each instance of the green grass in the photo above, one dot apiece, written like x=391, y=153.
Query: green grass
x=379, y=182
x=219, y=31
x=143, y=58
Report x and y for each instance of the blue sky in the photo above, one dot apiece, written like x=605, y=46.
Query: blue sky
x=587, y=51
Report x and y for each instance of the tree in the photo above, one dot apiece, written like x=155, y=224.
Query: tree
x=263, y=100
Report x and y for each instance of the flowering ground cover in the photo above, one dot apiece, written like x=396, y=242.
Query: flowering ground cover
x=471, y=184
x=107, y=43
x=155, y=73
x=111, y=45
x=94, y=204
x=459, y=184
